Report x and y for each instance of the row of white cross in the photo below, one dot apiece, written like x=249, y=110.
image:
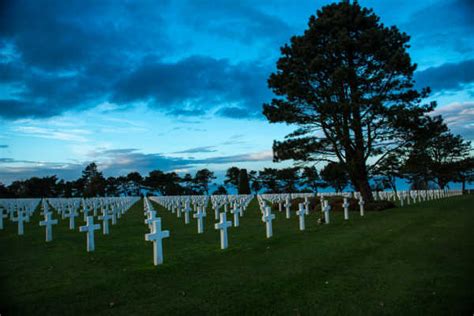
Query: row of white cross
x=303, y=209
x=111, y=208
x=179, y=204
x=20, y=211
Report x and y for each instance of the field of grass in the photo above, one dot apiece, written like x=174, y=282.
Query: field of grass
x=417, y=260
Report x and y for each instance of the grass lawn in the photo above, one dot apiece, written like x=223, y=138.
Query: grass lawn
x=416, y=260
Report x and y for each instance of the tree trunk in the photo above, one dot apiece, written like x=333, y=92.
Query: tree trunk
x=393, y=182
x=363, y=181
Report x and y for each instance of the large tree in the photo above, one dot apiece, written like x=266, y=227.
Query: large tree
x=268, y=178
x=310, y=179
x=389, y=169
x=232, y=177
x=335, y=175
x=288, y=179
x=465, y=171
x=244, y=187
x=93, y=181
x=435, y=155
x=255, y=181
x=202, y=180
x=347, y=83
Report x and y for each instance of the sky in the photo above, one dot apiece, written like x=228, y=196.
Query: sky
x=179, y=85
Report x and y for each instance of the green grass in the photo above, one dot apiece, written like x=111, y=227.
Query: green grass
x=417, y=260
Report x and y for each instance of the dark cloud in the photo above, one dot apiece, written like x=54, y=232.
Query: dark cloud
x=13, y=169
x=66, y=55
x=4, y=146
x=447, y=24
x=192, y=86
x=203, y=149
x=72, y=55
x=236, y=20
x=447, y=76
x=237, y=113
x=121, y=161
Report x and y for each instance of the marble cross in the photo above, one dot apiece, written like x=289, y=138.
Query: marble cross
x=345, y=205
x=187, y=210
x=237, y=211
x=72, y=216
x=301, y=213
x=2, y=216
x=287, y=207
x=216, y=212
x=223, y=225
x=306, y=205
x=114, y=216
x=89, y=228
x=156, y=236
x=86, y=211
x=326, y=209
x=200, y=220
x=151, y=216
x=48, y=222
x=105, y=221
x=268, y=218
x=21, y=218
x=361, y=204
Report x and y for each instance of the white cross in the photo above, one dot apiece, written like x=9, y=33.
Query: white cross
x=326, y=209
x=301, y=213
x=200, y=220
x=156, y=236
x=237, y=211
x=2, y=216
x=306, y=205
x=151, y=216
x=216, y=212
x=287, y=207
x=72, y=215
x=21, y=218
x=186, y=210
x=86, y=211
x=90, y=227
x=223, y=225
x=48, y=222
x=345, y=205
x=361, y=204
x=105, y=222
x=268, y=218
x=114, y=216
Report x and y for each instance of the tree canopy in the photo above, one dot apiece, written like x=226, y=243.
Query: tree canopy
x=347, y=83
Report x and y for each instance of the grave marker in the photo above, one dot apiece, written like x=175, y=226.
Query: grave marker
x=89, y=228
x=156, y=236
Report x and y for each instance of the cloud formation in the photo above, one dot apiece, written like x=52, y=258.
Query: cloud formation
x=79, y=55
x=115, y=162
x=194, y=85
x=195, y=150
x=460, y=118
x=447, y=77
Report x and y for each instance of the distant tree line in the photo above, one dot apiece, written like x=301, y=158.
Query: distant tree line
x=433, y=166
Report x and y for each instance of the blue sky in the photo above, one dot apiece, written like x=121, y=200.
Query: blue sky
x=179, y=85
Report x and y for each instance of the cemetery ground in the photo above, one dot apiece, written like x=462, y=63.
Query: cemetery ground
x=412, y=260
